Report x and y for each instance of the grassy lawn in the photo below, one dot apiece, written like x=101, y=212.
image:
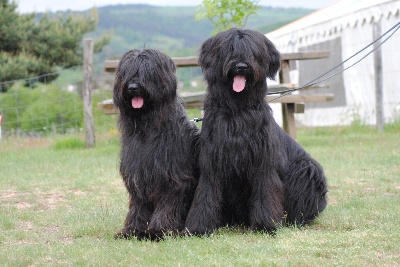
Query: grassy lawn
x=60, y=206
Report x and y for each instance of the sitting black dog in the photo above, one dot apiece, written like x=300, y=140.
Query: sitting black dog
x=252, y=173
x=158, y=145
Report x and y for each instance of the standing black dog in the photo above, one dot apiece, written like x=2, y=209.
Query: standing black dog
x=159, y=145
x=252, y=173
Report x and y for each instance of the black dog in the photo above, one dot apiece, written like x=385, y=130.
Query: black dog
x=159, y=145
x=252, y=173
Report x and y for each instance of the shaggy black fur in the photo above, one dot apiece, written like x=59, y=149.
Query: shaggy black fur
x=252, y=173
x=159, y=145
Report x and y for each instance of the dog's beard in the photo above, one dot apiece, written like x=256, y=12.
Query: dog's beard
x=137, y=102
x=239, y=82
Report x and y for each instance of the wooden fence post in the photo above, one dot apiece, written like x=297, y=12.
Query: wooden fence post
x=87, y=91
x=289, y=124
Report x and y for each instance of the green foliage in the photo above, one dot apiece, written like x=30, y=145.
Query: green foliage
x=10, y=27
x=30, y=47
x=15, y=67
x=225, y=14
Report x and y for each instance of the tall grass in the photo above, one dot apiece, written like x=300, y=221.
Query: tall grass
x=61, y=207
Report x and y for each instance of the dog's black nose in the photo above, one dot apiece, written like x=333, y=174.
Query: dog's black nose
x=241, y=66
x=132, y=87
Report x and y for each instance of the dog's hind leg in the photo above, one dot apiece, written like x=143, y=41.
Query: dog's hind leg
x=305, y=191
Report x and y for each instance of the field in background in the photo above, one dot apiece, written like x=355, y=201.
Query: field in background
x=60, y=205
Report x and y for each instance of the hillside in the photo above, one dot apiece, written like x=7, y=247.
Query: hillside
x=173, y=30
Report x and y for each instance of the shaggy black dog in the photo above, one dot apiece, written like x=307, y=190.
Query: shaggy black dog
x=252, y=173
x=159, y=145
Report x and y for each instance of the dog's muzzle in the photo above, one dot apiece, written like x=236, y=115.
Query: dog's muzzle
x=240, y=71
x=134, y=91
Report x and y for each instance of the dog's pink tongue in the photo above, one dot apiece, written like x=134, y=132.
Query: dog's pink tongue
x=239, y=83
x=137, y=102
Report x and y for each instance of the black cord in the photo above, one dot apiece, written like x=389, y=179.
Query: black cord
x=315, y=81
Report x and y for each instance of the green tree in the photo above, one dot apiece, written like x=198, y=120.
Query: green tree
x=225, y=14
x=31, y=46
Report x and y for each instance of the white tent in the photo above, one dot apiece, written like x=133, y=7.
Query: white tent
x=344, y=28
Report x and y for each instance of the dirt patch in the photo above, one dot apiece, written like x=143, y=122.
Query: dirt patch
x=50, y=201
x=14, y=198
x=18, y=143
x=26, y=200
x=25, y=225
x=22, y=205
x=10, y=194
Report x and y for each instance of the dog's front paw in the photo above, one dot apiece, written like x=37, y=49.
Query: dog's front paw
x=129, y=233
x=200, y=232
x=124, y=234
x=257, y=227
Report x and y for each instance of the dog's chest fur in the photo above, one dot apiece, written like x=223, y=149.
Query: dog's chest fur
x=236, y=138
x=152, y=159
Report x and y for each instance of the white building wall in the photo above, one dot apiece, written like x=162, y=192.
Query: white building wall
x=356, y=31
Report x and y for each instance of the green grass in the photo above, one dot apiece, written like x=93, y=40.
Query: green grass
x=61, y=207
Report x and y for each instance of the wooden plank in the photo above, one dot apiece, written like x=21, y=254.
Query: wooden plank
x=300, y=98
x=186, y=61
x=108, y=107
x=305, y=55
x=288, y=119
x=111, y=65
x=195, y=100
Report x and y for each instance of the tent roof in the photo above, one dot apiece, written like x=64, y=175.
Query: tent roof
x=342, y=14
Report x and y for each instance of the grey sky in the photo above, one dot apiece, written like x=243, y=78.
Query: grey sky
x=28, y=6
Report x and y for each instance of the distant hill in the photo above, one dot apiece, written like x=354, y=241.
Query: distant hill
x=173, y=30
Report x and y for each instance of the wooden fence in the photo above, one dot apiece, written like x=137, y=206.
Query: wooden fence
x=291, y=104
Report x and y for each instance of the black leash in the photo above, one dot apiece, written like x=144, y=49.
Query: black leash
x=315, y=81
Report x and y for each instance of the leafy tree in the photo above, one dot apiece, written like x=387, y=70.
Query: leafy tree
x=225, y=14
x=33, y=47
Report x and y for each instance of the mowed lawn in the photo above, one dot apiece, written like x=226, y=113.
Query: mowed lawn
x=61, y=206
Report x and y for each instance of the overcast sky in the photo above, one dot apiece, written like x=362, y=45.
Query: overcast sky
x=29, y=6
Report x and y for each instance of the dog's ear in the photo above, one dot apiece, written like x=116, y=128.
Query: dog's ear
x=206, y=53
x=117, y=92
x=274, y=60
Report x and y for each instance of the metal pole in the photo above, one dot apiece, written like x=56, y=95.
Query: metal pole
x=380, y=118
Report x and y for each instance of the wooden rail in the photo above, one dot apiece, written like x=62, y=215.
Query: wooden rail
x=196, y=99
x=111, y=65
x=291, y=104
